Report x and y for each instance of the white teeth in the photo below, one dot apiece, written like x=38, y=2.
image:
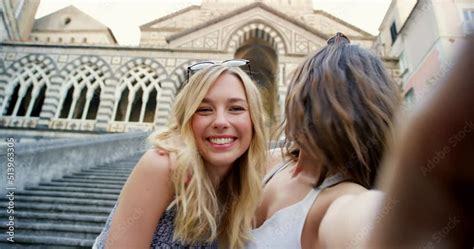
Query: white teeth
x=221, y=140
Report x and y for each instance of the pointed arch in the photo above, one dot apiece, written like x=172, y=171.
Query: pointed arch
x=138, y=90
x=25, y=93
x=84, y=82
x=178, y=75
x=259, y=30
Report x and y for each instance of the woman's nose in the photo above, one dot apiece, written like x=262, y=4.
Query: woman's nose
x=220, y=120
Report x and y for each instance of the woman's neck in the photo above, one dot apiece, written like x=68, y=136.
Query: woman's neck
x=307, y=166
x=216, y=174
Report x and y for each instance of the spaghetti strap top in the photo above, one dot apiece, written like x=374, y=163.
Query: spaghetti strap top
x=284, y=228
x=281, y=167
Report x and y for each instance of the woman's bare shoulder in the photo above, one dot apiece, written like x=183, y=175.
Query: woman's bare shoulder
x=350, y=213
x=155, y=159
x=145, y=196
x=152, y=173
x=151, y=176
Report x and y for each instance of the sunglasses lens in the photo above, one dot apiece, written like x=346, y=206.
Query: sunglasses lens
x=229, y=63
x=235, y=63
x=199, y=66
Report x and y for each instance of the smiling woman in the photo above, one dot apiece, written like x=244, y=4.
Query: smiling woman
x=208, y=196
x=222, y=126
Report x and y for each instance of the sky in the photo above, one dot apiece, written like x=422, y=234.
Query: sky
x=124, y=17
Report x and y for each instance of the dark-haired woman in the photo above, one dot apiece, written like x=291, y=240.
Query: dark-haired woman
x=340, y=107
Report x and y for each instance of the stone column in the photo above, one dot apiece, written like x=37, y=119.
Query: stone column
x=107, y=100
x=3, y=91
x=165, y=101
x=51, y=101
x=282, y=88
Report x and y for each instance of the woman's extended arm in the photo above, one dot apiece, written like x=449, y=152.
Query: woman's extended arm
x=144, y=198
x=428, y=178
x=430, y=172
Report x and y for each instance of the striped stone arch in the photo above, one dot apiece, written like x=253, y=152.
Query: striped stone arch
x=19, y=64
x=135, y=62
x=98, y=64
x=138, y=91
x=169, y=91
x=81, y=91
x=259, y=30
x=27, y=81
x=178, y=75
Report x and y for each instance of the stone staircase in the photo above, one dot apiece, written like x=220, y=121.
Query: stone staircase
x=68, y=212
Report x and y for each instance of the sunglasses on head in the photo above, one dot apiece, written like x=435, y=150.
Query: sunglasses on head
x=229, y=63
x=338, y=37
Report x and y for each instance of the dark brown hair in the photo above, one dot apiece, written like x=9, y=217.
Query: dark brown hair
x=340, y=105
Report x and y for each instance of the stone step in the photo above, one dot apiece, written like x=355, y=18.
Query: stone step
x=67, y=194
x=68, y=212
x=55, y=208
x=113, y=168
x=122, y=165
x=56, y=230
x=98, y=175
x=80, y=185
x=72, y=180
x=40, y=242
x=106, y=172
x=103, y=169
x=97, y=178
x=26, y=219
x=76, y=189
x=62, y=200
x=42, y=216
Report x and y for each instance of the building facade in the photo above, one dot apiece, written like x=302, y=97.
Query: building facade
x=71, y=26
x=424, y=35
x=17, y=18
x=71, y=86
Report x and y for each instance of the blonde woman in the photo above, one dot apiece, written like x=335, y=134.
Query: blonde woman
x=208, y=196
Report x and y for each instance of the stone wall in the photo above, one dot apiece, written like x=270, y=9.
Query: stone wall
x=31, y=163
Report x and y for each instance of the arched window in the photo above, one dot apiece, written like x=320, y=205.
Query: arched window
x=25, y=95
x=136, y=95
x=81, y=93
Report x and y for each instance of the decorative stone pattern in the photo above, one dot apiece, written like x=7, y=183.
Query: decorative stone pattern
x=84, y=89
x=27, y=81
x=209, y=41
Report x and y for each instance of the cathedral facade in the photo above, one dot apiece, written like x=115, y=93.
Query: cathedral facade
x=64, y=78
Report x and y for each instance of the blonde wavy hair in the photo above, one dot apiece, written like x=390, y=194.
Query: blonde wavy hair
x=205, y=213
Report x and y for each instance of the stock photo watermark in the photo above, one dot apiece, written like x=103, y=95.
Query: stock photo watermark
x=440, y=235
x=363, y=234
x=10, y=189
x=136, y=215
x=433, y=81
